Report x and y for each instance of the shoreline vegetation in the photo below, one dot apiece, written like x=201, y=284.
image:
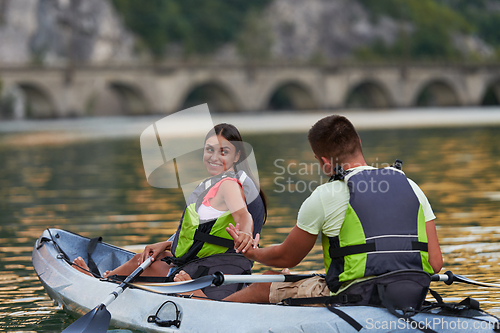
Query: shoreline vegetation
x=422, y=30
x=63, y=131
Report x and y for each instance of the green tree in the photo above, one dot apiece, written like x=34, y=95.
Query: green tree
x=433, y=25
x=200, y=26
x=478, y=12
x=255, y=39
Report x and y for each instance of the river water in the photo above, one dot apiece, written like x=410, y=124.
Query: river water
x=96, y=186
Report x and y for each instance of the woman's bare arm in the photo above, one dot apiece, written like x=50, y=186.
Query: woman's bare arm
x=234, y=199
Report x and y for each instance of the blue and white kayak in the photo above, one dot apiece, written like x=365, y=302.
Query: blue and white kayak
x=77, y=293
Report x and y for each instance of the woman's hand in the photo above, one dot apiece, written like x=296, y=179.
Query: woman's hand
x=243, y=240
x=154, y=250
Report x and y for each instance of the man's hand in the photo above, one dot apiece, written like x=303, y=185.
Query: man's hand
x=243, y=241
x=288, y=254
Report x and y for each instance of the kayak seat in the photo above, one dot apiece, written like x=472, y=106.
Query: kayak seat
x=105, y=256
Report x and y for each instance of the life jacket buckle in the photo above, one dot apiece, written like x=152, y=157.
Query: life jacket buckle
x=339, y=173
x=409, y=311
x=398, y=164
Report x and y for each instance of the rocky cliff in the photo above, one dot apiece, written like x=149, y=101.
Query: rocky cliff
x=53, y=31
x=90, y=31
x=325, y=29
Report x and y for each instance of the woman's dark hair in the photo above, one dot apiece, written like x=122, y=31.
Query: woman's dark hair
x=231, y=134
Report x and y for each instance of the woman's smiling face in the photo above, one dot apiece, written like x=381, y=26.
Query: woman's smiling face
x=219, y=155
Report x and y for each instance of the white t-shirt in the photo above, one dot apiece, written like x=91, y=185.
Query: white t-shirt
x=324, y=210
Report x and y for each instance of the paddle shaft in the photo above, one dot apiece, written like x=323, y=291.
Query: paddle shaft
x=117, y=292
x=448, y=278
x=229, y=279
x=218, y=279
x=440, y=277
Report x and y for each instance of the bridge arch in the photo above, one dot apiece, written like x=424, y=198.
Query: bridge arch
x=218, y=97
x=491, y=94
x=35, y=100
x=437, y=93
x=118, y=98
x=291, y=95
x=368, y=94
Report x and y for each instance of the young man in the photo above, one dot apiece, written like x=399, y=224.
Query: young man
x=372, y=221
x=345, y=212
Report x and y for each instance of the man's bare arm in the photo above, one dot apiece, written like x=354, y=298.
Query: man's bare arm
x=435, y=255
x=287, y=254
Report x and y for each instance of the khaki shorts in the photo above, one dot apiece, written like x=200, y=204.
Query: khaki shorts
x=311, y=287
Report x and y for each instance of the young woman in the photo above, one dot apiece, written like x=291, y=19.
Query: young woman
x=228, y=196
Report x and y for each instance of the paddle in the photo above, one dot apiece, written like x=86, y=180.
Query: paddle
x=97, y=320
x=218, y=279
x=448, y=277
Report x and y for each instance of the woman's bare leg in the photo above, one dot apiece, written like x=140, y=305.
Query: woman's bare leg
x=254, y=293
x=157, y=268
x=183, y=276
x=81, y=266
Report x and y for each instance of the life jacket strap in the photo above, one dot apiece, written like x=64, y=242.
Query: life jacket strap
x=368, y=247
x=336, y=299
x=207, y=238
x=352, y=249
x=350, y=320
x=199, y=239
x=421, y=246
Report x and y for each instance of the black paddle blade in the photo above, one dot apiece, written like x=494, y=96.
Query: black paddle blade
x=95, y=321
x=463, y=279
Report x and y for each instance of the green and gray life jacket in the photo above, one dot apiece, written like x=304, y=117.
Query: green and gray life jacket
x=197, y=238
x=383, y=229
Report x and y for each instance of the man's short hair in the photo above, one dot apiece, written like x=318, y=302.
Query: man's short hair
x=334, y=137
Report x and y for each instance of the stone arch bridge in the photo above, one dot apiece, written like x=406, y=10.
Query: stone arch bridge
x=109, y=90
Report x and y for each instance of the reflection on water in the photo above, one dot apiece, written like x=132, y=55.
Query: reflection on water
x=99, y=188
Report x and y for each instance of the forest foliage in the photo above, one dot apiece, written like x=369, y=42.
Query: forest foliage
x=199, y=27
x=434, y=23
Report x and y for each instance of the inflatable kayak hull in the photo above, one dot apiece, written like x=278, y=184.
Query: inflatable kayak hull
x=78, y=293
